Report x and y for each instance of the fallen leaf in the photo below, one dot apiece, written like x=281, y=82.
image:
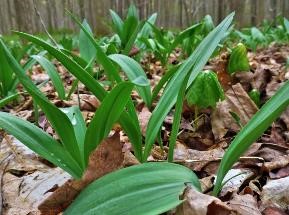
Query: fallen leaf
x=275, y=193
x=237, y=101
x=197, y=203
x=235, y=179
x=273, y=211
x=107, y=158
x=244, y=205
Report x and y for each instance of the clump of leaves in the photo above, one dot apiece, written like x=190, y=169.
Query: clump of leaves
x=129, y=29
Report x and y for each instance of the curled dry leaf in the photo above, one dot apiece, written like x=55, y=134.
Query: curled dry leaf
x=106, y=158
x=197, y=203
x=244, y=205
x=237, y=101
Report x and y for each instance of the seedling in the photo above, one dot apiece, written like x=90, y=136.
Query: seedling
x=238, y=61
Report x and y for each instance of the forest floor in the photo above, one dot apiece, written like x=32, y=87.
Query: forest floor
x=258, y=183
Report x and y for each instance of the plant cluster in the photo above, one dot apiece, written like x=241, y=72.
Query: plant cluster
x=157, y=184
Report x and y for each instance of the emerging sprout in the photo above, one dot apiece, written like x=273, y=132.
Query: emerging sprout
x=238, y=60
x=255, y=96
x=205, y=91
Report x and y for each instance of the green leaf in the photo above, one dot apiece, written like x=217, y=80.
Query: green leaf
x=238, y=61
x=177, y=120
x=86, y=48
x=166, y=77
x=257, y=35
x=183, y=35
x=53, y=74
x=79, y=126
x=269, y=112
x=106, y=115
x=101, y=57
x=56, y=117
x=205, y=91
x=151, y=188
x=255, y=96
x=40, y=142
x=192, y=65
x=117, y=24
x=135, y=74
x=286, y=25
x=6, y=75
x=146, y=29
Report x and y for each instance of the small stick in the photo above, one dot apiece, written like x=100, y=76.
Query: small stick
x=43, y=25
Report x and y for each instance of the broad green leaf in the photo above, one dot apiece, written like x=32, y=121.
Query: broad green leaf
x=40, y=142
x=193, y=65
x=6, y=75
x=86, y=48
x=146, y=29
x=53, y=74
x=132, y=39
x=101, y=57
x=129, y=26
x=78, y=123
x=205, y=91
x=238, y=61
x=127, y=123
x=151, y=188
x=286, y=25
x=117, y=24
x=257, y=35
x=106, y=115
x=177, y=120
x=269, y=112
x=255, y=96
x=135, y=74
x=166, y=77
x=56, y=117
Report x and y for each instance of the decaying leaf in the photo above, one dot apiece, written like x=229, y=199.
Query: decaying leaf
x=197, y=203
x=245, y=205
x=275, y=193
x=106, y=158
x=237, y=101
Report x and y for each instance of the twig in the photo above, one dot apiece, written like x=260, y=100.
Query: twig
x=43, y=25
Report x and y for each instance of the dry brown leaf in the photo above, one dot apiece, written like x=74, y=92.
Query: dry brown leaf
x=87, y=102
x=197, y=160
x=197, y=203
x=244, y=205
x=235, y=179
x=276, y=163
x=275, y=193
x=107, y=158
x=22, y=195
x=237, y=101
x=273, y=211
